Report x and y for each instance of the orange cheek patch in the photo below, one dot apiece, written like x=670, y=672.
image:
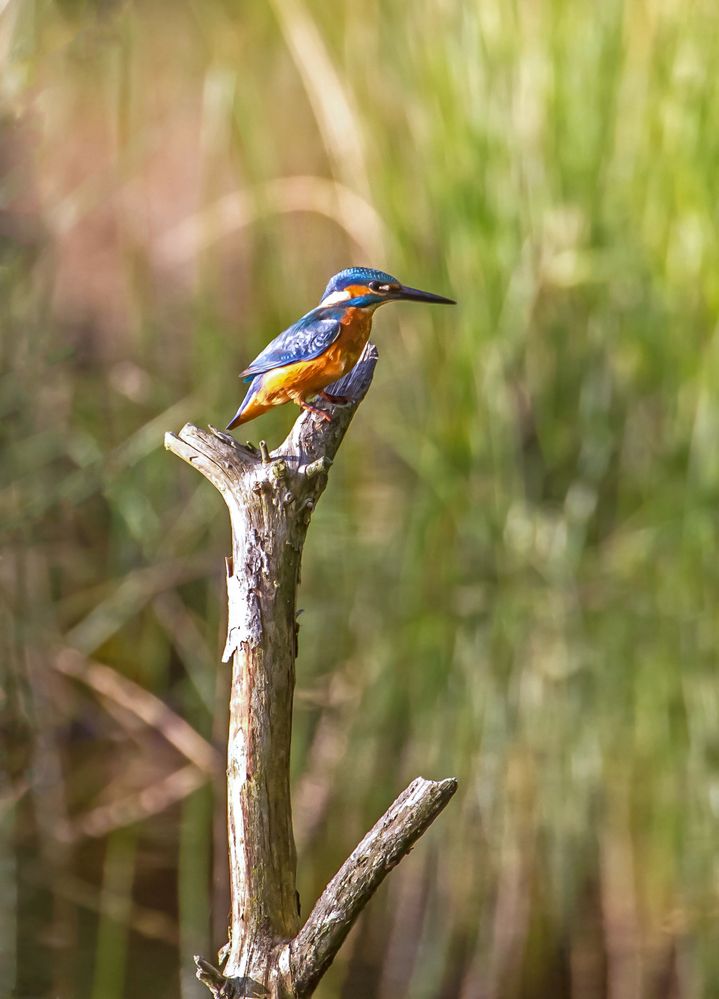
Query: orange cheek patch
x=356, y=290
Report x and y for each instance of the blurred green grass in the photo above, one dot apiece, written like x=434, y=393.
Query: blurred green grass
x=513, y=574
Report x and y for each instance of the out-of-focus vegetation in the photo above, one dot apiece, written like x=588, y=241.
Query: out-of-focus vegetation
x=513, y=576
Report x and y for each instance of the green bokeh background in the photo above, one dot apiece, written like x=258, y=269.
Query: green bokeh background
x=513, y=574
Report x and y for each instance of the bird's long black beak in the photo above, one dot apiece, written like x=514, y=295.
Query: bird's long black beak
x=406, y=294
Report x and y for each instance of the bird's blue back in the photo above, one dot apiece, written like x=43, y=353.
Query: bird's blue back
x=306, y=339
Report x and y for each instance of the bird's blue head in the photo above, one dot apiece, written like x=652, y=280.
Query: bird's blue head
x=356, y=276
x=365, y=287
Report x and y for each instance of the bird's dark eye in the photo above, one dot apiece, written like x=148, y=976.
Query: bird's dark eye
x=383, y=289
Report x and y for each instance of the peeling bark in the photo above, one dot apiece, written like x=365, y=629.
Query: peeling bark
x=271, y=497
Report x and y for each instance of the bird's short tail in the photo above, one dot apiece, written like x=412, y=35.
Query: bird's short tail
x=249, y=407
x=235, y=421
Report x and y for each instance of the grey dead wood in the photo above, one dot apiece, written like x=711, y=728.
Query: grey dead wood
x=271, y=497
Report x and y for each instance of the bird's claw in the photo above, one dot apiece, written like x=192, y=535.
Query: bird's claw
x=318, y=412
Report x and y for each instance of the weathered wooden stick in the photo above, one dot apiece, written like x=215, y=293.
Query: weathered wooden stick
x=339, y=905
x=270, y=497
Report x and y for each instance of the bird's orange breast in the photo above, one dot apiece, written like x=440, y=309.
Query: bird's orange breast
x=303, y=379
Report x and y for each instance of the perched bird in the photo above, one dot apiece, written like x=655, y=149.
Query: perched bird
x=323, y=345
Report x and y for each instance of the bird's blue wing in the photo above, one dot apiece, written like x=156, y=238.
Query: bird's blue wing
x=307, y=339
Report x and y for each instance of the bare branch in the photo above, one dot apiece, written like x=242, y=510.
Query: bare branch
x=271, y=497
x=213, y=453
x=315, y=946
x=227, y=988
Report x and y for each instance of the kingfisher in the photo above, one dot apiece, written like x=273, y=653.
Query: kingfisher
x=323, y=345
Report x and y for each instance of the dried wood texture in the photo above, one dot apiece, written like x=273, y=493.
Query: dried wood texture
x=270, y=497
x=365, y=869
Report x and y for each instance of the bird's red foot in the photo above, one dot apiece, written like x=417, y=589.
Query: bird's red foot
x=338, y=400
x=317, y=412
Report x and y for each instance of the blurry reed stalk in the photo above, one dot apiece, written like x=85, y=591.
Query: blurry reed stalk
x=234, y=211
